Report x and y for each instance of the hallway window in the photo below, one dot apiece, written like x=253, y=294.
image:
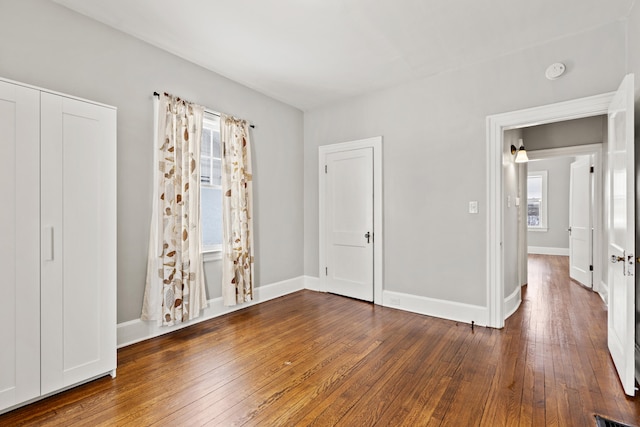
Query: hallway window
x=537, y=200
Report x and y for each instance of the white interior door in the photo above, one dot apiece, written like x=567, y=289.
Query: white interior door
x=349, y=223
x=78, y=270
x=621, y=228
x=580, y=254
x=19, y=244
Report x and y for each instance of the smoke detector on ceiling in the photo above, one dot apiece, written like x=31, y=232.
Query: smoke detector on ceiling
x=555, y=70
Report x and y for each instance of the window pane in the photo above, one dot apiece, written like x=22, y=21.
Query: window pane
x=215, y=151
x=210, y=193
x=533, y=213
x=205, y=149
x=205, y=170
x=211, y=212
x=534, y=187
x=216, y=174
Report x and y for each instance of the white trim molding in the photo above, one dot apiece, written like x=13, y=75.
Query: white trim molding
x=137, y=330
x=604, y=292
x=378, y=239
x=311, y=283
x=512, y=302
x=212, y=255
x=496, y=125
x=542, y=250
x=443, y=309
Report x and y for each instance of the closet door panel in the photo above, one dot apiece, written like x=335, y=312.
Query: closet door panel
x=78, y=204
x=19, y=244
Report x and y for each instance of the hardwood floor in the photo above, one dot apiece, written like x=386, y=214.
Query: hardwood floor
x=319, y=359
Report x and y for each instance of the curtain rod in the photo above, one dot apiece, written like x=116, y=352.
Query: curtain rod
x=208, y=111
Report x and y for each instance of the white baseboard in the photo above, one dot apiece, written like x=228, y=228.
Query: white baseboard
x=138, y=330
x=512, y=302
x=604, y=292
x=541, y=250
x=450, y=310
x=311, y=283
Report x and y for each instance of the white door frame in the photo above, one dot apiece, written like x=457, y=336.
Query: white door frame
x=376, y=144
x=596, y=203
x=496, y=125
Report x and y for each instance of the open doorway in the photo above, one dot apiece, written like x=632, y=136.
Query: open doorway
x=620, y=203
x=566, y=164
x=498, y=159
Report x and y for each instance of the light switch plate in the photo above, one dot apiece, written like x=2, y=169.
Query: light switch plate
x=473, y=207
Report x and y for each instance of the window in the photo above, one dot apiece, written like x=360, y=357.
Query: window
x=537, y=200
x=211, y=185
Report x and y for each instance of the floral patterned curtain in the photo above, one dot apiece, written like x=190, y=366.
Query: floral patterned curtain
x=237, y=212
x=175, y=287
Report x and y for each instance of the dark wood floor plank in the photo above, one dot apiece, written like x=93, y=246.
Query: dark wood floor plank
x=339, y=399
x=384, y=391
x=319, y=359
x=417, y=402
x=308, y=394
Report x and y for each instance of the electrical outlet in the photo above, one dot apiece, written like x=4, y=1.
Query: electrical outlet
x=473, y=207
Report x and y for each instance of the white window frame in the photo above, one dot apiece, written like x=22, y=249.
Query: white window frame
x=211, y=252
x=543, y=227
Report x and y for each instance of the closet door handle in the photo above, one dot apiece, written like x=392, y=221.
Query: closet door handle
x=47, y=243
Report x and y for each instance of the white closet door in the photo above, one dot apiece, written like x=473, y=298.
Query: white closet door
x=78, y=272
x=19, y=244
x=349, y=223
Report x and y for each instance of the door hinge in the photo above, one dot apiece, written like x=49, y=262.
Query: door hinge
x=591, y=268
x=592, y=169
x=325, y=168
x=326, y=271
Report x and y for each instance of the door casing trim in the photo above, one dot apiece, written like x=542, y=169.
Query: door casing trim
x=496, y=125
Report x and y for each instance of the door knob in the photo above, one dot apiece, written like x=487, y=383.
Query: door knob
x=615, y=258
x=367, y=236
x=569, y=230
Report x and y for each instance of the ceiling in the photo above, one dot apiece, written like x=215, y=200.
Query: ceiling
x=309, y=53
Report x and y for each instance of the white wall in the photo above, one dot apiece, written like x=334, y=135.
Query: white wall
x=44, y=44
x=556, y=236
x=435, y=152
